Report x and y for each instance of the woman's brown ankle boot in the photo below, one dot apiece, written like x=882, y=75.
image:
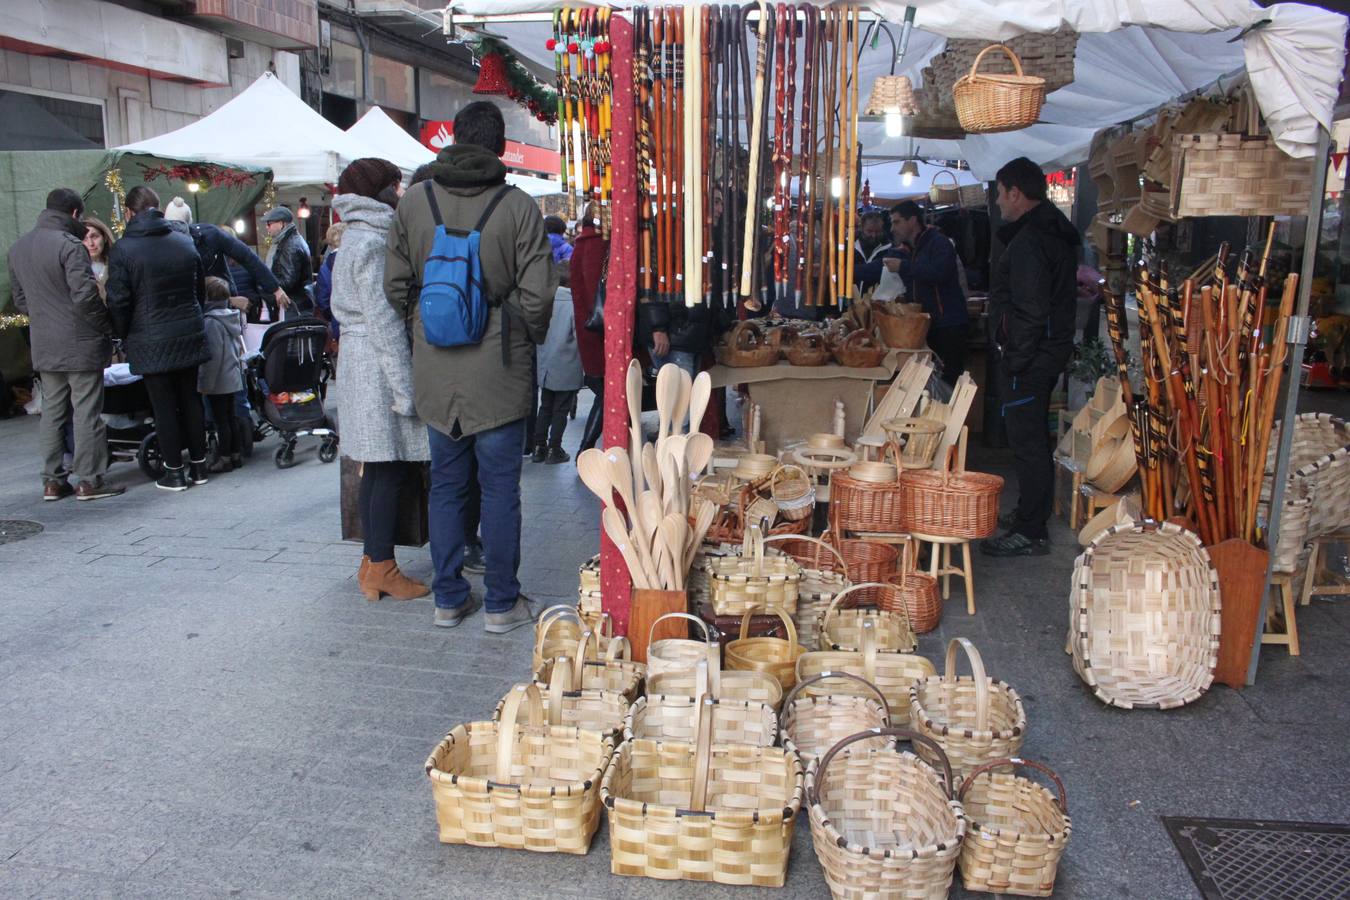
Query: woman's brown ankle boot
x=385, y=578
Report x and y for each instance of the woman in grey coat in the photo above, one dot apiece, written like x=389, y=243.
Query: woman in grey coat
x=380, y=428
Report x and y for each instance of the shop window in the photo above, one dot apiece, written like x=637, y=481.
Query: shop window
x=38, y=122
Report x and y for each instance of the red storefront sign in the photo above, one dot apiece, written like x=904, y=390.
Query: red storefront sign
x=517, y=156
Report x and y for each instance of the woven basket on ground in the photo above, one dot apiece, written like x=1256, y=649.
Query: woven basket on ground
x=1144, y=616
x=841, y=625
x=753, y=687
x=616, y=671
x=791, y=488
x=810, y=725
x=588, y=591
x=991, y=103
x=680, y=654
x=949, y=503
x=533, y=788
x=775, y=657
x=892, y=673
x=914, y=592
x=884, y=824
x=558, y=630
x=750, y=580
x=822, y=577
x=702, y=812
x=599, y=711
x=974, y=719
x=866, y=561
x=674, y=717
x=857, y=505
x=1017, y=833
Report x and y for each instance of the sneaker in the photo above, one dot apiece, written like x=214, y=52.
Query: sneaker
x=556, y=456
x=1007, y=520
x=197, y=472
x=97, y=489
x=540, y=453
x=474, y=563
x=1015, y=544
x=56, y=488
x=172, y=480
x=453, y=618
x=236, y=460
x=523, y=613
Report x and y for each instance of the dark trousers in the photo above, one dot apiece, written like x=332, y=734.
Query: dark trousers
x=497, y=453
x=551, y=421
x=473, y=506
x=1026, y=412
x=531, y=417
x=949, y=346
x=595, y=421
x=229, y=440
x=178, y=415
x=381, y=483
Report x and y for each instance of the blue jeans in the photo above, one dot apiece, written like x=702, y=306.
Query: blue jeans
x=682, y=358
x=497, y=452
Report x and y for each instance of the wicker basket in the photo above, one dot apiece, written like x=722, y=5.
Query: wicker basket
x=901, y=332
x=892, y=673
x=747, y=346
x=588, y=592
x=914, y=441
x=1144, y=627
x=558, y=630
x=864, y=505
x=674, y=717
x=754, y=687
x=740, y=583
x=807, y=349
x=615, y=672
x=822, y=577
x=945, y=194
x=867, y=561
x=974, y=719
x=946, y=503
x=891, y=94
x=794, y=493
x=810, y=725
x=702, y=812
x=991, y=103
x=914, y=592
x=841, y=627
x=773, y=656
x=600, y=711
x=532, y=788
x=680, y=654
x=860, y=350
x=1018, y=830
x=884, y=824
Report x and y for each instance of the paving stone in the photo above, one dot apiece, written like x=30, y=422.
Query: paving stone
x=80, y=849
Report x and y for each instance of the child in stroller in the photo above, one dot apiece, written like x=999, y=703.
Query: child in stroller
x=288, y=381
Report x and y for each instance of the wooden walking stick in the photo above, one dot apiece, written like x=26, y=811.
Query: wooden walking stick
x=779, y=162
x=829, y=53
x=707, y=131
x=802, y=231
x=1279, y=350
x=643, y=76
x=693, y=70
x=679, y=209
x=658, y=56
x=752, y=199
x=560, y=74
x=851, y=129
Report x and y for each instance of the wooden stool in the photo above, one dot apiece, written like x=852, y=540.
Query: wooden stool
x=1075, y=470
x=940, y=564
x=1283, y=584
x=1095, y=500
x=1310, y=586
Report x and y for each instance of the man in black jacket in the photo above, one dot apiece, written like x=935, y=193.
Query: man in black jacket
x=289, y=260
x=1031, y=309
x=218, y=248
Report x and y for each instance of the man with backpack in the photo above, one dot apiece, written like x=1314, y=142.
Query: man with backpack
x=476, y=309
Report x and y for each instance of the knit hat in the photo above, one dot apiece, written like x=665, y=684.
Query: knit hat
x=178, y=211
x=369, y=176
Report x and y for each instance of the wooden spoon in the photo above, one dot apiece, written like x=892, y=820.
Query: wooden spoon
x=649, y=504
x=594, y=471
x=613, y=524
x=698, y=449
x=698, y=405
x=667, y=395
x=703, y=518
x=681, y=404
x=633, y=388
x=670, y=483
x=651, y=468
x=674, y=531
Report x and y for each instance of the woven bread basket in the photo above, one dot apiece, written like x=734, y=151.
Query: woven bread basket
x=986, y=104
x=901, y=332
x=599, y=711
x=860, y=350
x=747, y=346
x=811, y=724
x=1018, y=830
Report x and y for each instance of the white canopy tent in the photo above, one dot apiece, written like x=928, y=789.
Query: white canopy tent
x=391, y=142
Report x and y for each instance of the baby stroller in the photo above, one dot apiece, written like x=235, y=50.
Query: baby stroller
x=129, y=421
x=289, y=381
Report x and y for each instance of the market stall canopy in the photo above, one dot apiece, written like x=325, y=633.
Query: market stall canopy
x=388, y=140
x=266, y=126
x=1131, y=58
x=885, y=179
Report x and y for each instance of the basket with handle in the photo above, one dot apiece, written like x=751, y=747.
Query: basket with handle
x=560, y=627
x=841, y=626
x=808, y=348
x=743, y=582
x=565, y=704
x=974, y=719
x=674, y=717
x=857, y=505
x=680, y=654
x=866, y=561
x=588, y=592
x=1018, y=830
x=536, y=787
x=811, y=724
x=795, y=494
x=614, y=670
x=991, y=103
x=944, y=194
x=900, y=331
x=747, y=345
x=949, y=503
x=914, y=592
x=776, y=657
x=913, y=441
x=884, y=824
x=892, y=673
x=823, y=575
x=860, y=350
x=702, y=811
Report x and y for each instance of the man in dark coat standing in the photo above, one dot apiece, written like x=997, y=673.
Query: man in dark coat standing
x=931, y=275
x=289, y=260
x=53, y=284
x=1032, y=300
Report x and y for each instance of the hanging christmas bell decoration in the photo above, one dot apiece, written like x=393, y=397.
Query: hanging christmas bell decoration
x=492, y=77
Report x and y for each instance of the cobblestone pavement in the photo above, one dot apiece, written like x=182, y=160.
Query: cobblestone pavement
x=196, y=702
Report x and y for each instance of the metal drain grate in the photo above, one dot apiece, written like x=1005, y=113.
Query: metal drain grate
x=12, y=530
x=1245, y=859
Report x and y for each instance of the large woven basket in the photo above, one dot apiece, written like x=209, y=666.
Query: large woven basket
x=775, y=657
x=754, y=687
x=991, y=103
x=974, y=719
x=614, y=672
x=744, y=582
x=810, y=725
x=532, y=788
x=864, y=505
x=892, y=673
x=1018, y=830
x=841, y=627
x=1144, y=616
x=680, y=654
x=907, y=332
x=600, y=711
x=674, y=717
x=823, y=576
x=914, y=592
x=884, y=824
x=558, y=630
x=703, y=811
x=946, y=503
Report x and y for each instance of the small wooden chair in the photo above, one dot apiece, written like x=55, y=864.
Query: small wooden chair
x=1283, y=585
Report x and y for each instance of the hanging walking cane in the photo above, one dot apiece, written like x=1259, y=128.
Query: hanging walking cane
x=558, y=45
x=851, y=129
x=752, y=180
x=830, y=56
x=805, y=199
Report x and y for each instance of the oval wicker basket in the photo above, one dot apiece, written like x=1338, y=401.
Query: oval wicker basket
x=822, y=578
x=901, y=332
x=914, y=592
x=811, y=724
x=795, y=494
x=860, y=350
x=892, y=673
x=986, y=104
x=776, y=657
x=884, y=824
x=600, y=711
x=946, y=503
x=974, y=719
x=747, y=346
x=864, y=506
x=1018, y=830
x=944, y=194
x=841, y=628
x=1144, y=616
x=807, y=348
x=743, y=582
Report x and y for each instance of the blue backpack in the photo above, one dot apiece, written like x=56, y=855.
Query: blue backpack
x=454, y=301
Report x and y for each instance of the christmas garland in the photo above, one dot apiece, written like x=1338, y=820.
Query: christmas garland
x=206, y=175
x=525, y=89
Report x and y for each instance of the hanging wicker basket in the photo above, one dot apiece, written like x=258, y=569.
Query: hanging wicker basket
x=809, y=725
x=945, y=194
x=775, y=657
x=892, y=673
x=1018, y=830
x=884, y=824
x=891, y=94
x=841, y=627
x=974, y=719
x=986, y=104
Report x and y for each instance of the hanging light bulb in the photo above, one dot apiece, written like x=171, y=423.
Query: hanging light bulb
x=193, y=187
x=895, y=123
x=908, y=172
x=836, y=186
x=240, y=226
x=303, y=211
